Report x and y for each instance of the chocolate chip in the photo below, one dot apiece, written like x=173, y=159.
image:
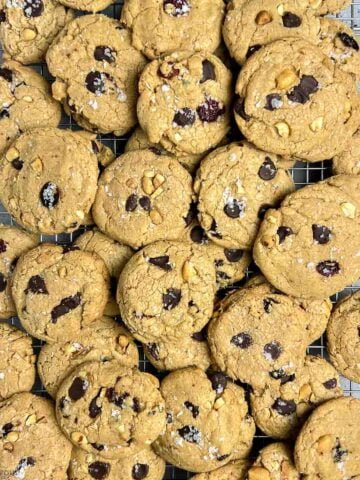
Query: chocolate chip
x=33, y=8
x=131, y=203
x=290, y=20
x=239, y=108
x=267, y=171
x=284, y=407
x=283, y=232
x=252, y=50
x=97, y=446
x=136, y=405
x=171, y=72
x=49, y=195
x=169, y=418
x=6, y=429
x=4, y=113
x=192, y=213
x=233, y=255
x=153, y=349
x=208, y=71
x=95, y=147
x=213, y=230
x=330, y=384
x=176, y=8
x=210, y=110
x=2, y=16
x=117, y=399
x=145, y=203
x=268, y=303
x=321, y=234
x=348, y=41
x=338, y=453
x=263, y=209
x=198, y=235
x=7, y=74
x=273, y=101
x=171, y=298
x=65, y=306
x=221, y=458
x=70, y=248
x=281, y=375
x=161, y=262
x=301, y=93
x=242, y=340
x=95, y=82
x=94, y=409
x=99, y=470
x=272, y=350
x=140, y=471
x=3, y=246
x=194, y=409
x=218, y=381
x=104, y=53
x=328, y=268
x=184, y=117
x=36, y=285
x=23, y=463
x=234, y=208
x=199, y=336
x=3, y=282
x=78, y=388
x=190, y=434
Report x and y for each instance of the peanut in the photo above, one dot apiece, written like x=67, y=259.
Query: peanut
x=324, y=443
x=349, y=209
x=283, y=129
x=147, y=185
x=286, y=79
x=155, y=217
x=28, y=34
x=11, y=154
x=317, y=124
x=263, y=17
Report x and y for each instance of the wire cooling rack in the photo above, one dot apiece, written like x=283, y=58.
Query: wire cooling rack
x=302, y=173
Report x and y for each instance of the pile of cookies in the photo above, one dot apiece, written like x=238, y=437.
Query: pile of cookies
x=164, y=235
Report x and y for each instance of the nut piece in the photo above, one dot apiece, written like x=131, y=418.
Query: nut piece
x=12, y=436
x=349, y=209
x=11, y=154
x=155, y=217
x=158, y=180
x=37, y=165
x=78, y=437
x=147, y=185
x=123, y=341
x=27, y=99
x=58, y=90
x=219, y=403
x=9, y=447
x=188, y=271
x=263, y=17
x=317, y=124
x=28, y=34
x=324, y=444
x=268, y=241
x=157, y=192
x=280, y=9
x=305, y=392
x=258, y=473
x=31, y=420
x=149, y=173
x=283, y=129
x=286, y=79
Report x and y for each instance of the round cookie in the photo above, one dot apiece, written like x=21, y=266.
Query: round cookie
x=28, y=28
x=13, y=243
x=343, y=337
x=348, y=161
x=143, y=197
x=159, y=27
x=115, y=256
x=110, y=409
x=232, y=471
x=103, y=340
x=184, y=102
x=17, y=361
x=328, y=444
x=52, y=292
x=167, y=290
x=292, y=100
x=25, y=102
x=96, y=71
x=38, y=182
x=274, y=462
x=308, y=248
x=233, y=184
x=251, y=24
x=142, y=465
x=256, y=337
x=204, y=421
x=31, y=444
x=282, y=407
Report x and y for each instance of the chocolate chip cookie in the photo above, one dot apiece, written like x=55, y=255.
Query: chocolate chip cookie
x=328, y=445
x=250, y=24
x=308, y=248
x=96, y=71
x=39, y=184
x=292, y=100
x=167, y=290
x=31, y=443
x=27, y=28
x=110, y=409
x=348, y=161
x=52, y=292
x=274, y=462
x=206, y=419
x=159, y=27
x=143, y=197
x=233, y=184
x=184, y=102
x=232, y=471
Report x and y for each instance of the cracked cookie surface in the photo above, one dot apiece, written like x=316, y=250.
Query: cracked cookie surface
x=348, y=161
x=274, y=462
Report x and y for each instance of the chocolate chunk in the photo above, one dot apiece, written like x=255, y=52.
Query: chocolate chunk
x=284, y=407
x=222, y=276
x=3, y=246
x=153, y=349
x=330, y=384
x=161, y=262
x=6, y=429
x=208, y=71
x=192, y=213
x=6, y=74
x=194, y=409
x=22, y=465
x=78, y=388
x=213, y=230
x=233, y=255
x=219, y=263
x=3, y=282
x=199, y=336
x=95, y=82
x=97, y=446
x=170, y=73
x=169, y=418
x=210, y=110
x=273, y=101
x=268, y=303
x=131, y=203
x=99, y=470
x=70, y=248
x=66, y=305
x=190, y=434
x=272, y=350
x=221, y=458
x=283, y=232
x=218, y=381
x=348, y=41
x=281, y=375
x=263, y=209
x=145, y=203
x=4, y=113
x=94, y=409
x=328, y=268
x=36, y=285
x=290, y=20
x=267, y=171
x=177, y=8
x=50, y=195
x=242, y=340
x=171, y=298
x=2, y=16
x=184, y=117
x=339, y=453
x=33, y=8
x=140, y=471
x=239, y=108
x=104, y=53
x=95, y=147
x=301, y=93
x=234, y=208
x=198, y=235
x=321, y=234
x=117, y=399
x=136, y=405
x=252, y=50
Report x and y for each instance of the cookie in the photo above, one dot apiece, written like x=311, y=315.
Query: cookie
x=110, y=409
x=17, y=361
x=96, y=71
x=143, y=197
x=102, y=340
x=232, y=471
x=308, y=248
x=167, y=290
x=205, y=421
x=251, y=24
x=87, y=5
x=257, y=337
x=159, y=27
x=292, y=100
x=328, y=445
x=282, y=407
x=234, y=183
x=13, y=243
x=52, y=292
x=31, y=443
x=343, y=337
x=322, y=7
x=28, y=28
x=141, y=465
x=25, y=102
x=348, y=161
x=274, y=462
x=41, y=195
x=184, y=102
x=114, y=254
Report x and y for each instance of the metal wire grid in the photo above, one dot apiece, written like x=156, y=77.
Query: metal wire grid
x=302, y=173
